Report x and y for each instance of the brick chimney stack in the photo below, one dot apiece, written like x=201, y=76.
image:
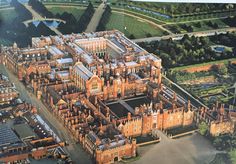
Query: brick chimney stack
x=129, y=116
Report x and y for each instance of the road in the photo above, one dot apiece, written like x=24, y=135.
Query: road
x=74, y=150
x=180, y=36
x=193, y=149
x=92, y=26
x=37, y=16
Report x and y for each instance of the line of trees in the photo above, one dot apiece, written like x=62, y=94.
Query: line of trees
x=40, y=8
x=186, y=8
x=104, y=19
x=191, y=50
x=72, y=25
x=23, y=13
x=86, y=17
x=41, y=29
x=231, y=21
x=16, y=31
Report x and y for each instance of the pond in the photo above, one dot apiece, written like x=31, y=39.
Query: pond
x=48, y=23
x=219, y=49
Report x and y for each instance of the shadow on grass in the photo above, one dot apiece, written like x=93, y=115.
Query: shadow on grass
x=221, y=158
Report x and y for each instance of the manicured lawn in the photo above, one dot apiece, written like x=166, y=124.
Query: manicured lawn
x=132, y=26
x=76, y=11
x=8, y=15
x=233, y=156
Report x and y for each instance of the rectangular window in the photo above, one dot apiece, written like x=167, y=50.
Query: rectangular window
x=94, y=85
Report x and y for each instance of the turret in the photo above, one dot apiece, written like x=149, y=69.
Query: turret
x=189, y=105
x=134, y=147
x=129, y=116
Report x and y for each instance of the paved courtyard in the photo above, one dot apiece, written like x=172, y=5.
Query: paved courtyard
x=193, y=149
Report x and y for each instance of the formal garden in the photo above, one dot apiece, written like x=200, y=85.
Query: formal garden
x=210, y=85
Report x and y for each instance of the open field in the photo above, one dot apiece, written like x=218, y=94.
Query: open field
x=76, y=11
x=132, y=26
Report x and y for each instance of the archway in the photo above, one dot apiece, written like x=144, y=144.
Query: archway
x=116, y=159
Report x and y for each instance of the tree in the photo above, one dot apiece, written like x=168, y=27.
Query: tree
x=0, y=21
x=148, y=35
x=132, y=36
x=85, y=18
x=166, y=59
x=44, y=30
x=214, y=68
x=104, y=19
x=33, y=31
x=217, y=142
x=223, y=70
x=198, y=25
x=71, y=23
x=203, y=127
x=39, y=7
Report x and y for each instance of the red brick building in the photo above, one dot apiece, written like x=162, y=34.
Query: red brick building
x=103, y=69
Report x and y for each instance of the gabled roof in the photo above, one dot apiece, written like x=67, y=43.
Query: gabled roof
x=82, y=71
x=60, y=102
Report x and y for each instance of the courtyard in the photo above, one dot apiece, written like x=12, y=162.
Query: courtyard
x=121, y=108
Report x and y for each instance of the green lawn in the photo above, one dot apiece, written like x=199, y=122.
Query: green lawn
x=129, y=25
x=8, y=15
x=233, y=156
x=76, y=11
